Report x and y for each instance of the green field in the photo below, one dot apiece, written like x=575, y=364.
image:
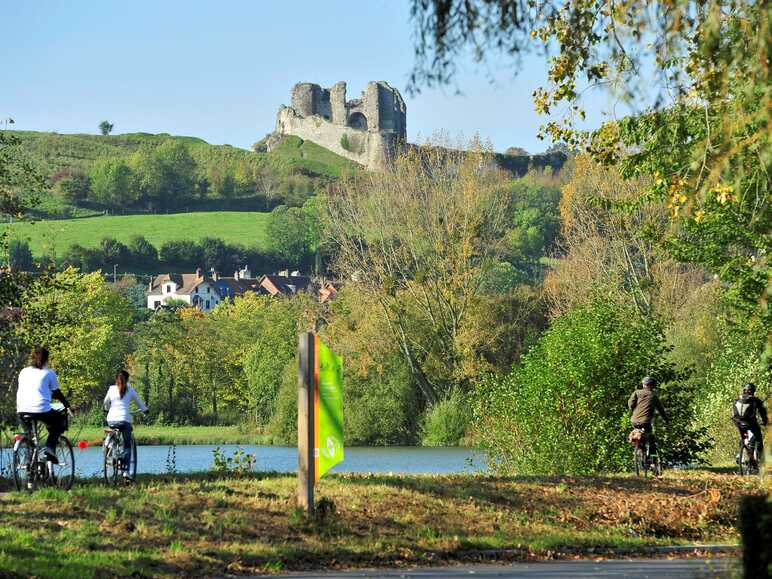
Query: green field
x=54, y=237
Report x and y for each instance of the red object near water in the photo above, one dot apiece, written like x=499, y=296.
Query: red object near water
x=82, y=444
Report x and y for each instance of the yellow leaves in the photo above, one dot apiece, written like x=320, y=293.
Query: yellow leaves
x=723, y=193
x=677, y=193
x=699, y=215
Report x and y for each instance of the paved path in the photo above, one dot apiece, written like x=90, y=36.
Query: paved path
x=617, y=569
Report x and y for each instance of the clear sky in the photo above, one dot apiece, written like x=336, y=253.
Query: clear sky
x=220, y=69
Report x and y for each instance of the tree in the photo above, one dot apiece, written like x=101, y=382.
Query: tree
x=142, y=253
x=181, y=253
x=112, y=182
x=420, y=239
x=705, y=141
x=105, y=127
x=289, y=234
x=84, y=323
x=166, y=175
x=113, y=252
x=21, y=181
x=85, y=259
x=618, y=252
x=215, y=254
x=74, y=187
x=20, y=255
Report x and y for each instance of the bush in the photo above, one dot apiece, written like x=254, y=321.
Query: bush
x=564, y=408
x=284, y=423
x=143, y=254
x=379, y=409
x=739, y=360
x=20, y=255
x=445, y=423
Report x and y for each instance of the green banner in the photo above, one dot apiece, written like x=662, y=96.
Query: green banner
x=329, y=409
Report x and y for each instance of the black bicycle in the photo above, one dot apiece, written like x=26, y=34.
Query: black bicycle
x=748, y=460
x=643, y=460
x=30, y=470
x=112, y=453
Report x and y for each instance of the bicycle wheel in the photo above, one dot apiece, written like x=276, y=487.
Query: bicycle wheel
x=23, y=465
x=111, y=469
x=133, y=471
x=639, y=461
x=656, y=466
x=63, y=474
x=744, y=465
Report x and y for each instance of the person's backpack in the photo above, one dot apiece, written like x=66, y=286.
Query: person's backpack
x=745, y=409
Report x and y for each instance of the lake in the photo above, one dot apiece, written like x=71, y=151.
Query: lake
x=198, y=457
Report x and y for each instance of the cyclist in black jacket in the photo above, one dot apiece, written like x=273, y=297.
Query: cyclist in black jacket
x=744, y=412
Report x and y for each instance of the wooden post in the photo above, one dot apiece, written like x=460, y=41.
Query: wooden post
x=306, y=423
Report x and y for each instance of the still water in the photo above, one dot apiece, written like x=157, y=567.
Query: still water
x=198, y=457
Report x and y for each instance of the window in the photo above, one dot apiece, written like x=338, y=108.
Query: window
x=156, y=303
x=208, y=290
x=169, y=288
x=206, y=307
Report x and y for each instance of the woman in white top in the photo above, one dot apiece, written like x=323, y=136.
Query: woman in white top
x=38, y=386
x=117, y=401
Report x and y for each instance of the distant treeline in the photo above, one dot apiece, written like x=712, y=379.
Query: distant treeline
x=141, y=256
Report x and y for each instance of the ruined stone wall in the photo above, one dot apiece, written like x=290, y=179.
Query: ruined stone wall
x=372, y=149
x=367, y=130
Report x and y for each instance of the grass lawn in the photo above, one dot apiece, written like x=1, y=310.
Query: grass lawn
x=214, y=524
x=56, y=236
x=152, y=434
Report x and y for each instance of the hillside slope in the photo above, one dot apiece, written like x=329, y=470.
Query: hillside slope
x=56, y=152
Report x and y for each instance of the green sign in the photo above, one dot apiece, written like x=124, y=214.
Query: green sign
x=328, y=409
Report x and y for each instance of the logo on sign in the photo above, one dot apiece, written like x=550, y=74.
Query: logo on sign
x=330, y=447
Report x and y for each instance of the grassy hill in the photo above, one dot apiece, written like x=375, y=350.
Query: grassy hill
x=56, y=152
x=246, y=228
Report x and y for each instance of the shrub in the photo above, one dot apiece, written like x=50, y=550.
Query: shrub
x=344, y=142
x=739, y=360
x=445, y=423
x=20, y=255
x=564, y=408
x=284, y=423
x=143, y=254
x=379, y=408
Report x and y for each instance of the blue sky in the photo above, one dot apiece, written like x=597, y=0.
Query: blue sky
x=220, y=70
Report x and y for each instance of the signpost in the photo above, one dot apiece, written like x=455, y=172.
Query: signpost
x=320, y=415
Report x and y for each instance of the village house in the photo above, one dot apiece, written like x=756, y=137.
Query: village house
x=194, y=289
x=205, y=292
x=230, y=287
x=284, y=283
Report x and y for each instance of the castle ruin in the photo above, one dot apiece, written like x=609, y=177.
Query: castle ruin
x=368, y=130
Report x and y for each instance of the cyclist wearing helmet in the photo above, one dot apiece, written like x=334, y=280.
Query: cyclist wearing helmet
x=744, y=412
x=644, y=402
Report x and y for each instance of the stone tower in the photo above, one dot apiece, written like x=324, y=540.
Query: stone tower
x=369, y=130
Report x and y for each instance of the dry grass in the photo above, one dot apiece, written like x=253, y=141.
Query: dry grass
x=207, y=524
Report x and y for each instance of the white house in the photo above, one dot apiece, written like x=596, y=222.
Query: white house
x=192, y=288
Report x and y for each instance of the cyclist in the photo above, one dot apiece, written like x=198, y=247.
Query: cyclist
x=117, y=401
x=38, y=386
x=744, y=411
x=644, y=402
